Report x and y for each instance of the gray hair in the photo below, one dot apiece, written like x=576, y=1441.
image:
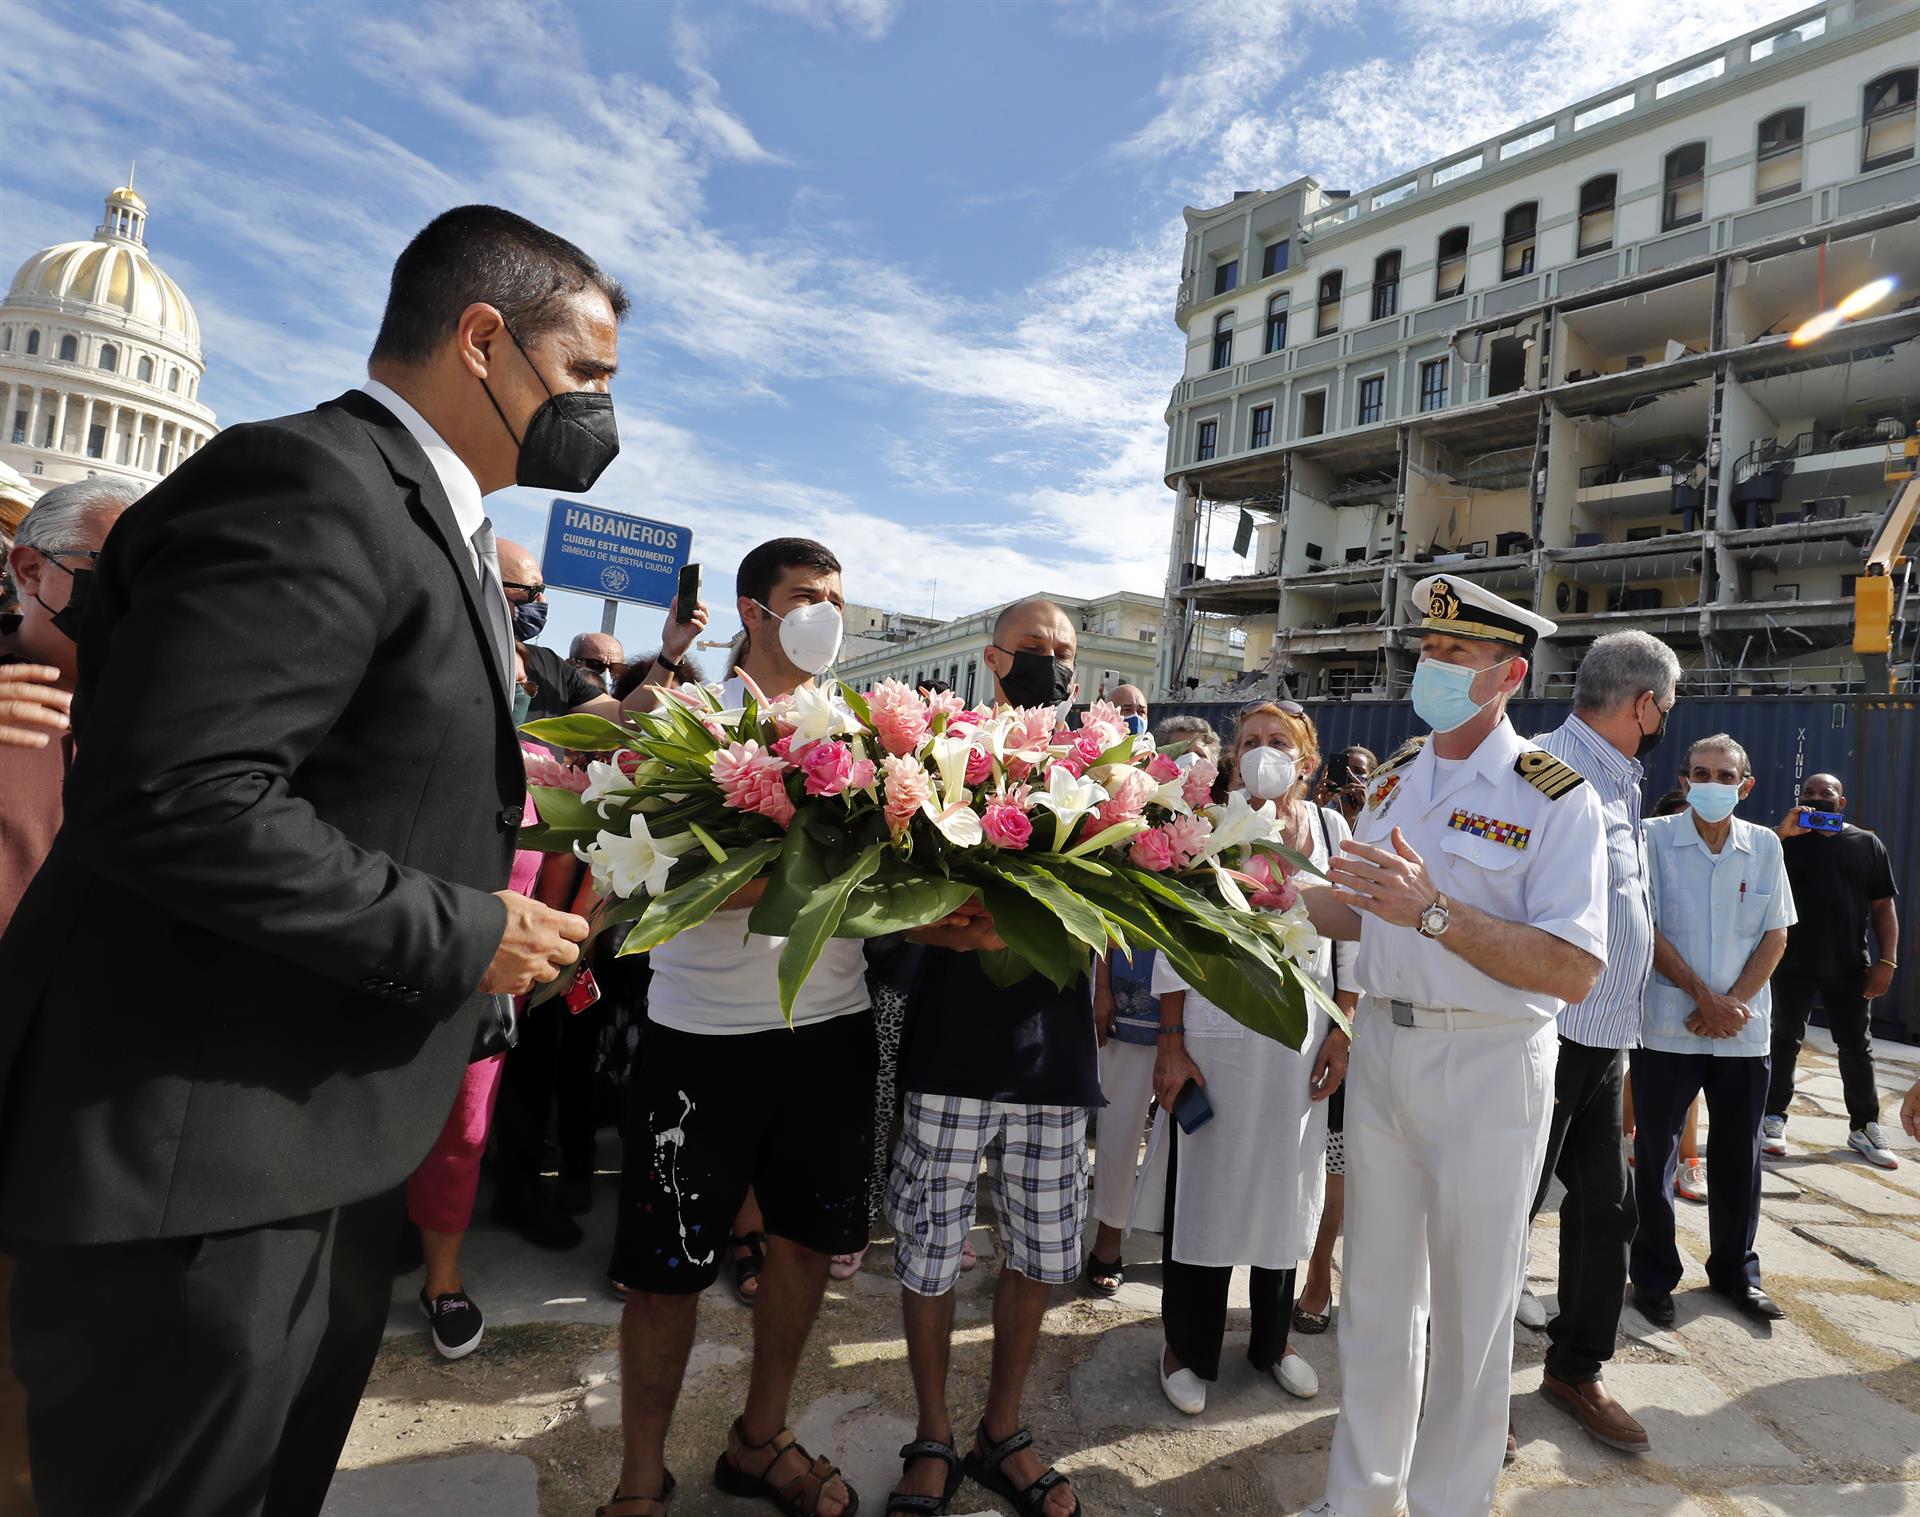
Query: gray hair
x=1196, y=731
x=61, y=520
x=1622, y=667
x=1722, y=743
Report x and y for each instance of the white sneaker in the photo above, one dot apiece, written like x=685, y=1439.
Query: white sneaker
x=1186, y=1390
x=1871, y=1145
x=1530, y=1313
x=1773, y=1136
x=1297, y=1377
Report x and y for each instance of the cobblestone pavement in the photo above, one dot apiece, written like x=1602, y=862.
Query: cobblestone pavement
x=1817, y=1417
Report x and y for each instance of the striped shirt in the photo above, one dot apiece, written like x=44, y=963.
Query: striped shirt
x=1610, y=1016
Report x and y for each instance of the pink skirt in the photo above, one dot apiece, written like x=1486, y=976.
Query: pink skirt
x=440, y=1192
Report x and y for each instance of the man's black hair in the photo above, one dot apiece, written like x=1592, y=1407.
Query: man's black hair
x=480, y=254
x=761, y=569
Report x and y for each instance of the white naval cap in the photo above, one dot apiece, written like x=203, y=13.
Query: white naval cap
x=1458, y=606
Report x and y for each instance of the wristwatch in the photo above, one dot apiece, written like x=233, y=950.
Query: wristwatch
x=1433, y=921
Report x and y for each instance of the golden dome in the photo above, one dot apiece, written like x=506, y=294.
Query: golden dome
x=112, y=270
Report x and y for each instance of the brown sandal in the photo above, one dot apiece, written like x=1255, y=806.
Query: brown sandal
x=639, y=1506
x=799, y=1497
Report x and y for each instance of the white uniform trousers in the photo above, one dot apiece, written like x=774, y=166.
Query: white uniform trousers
x=1126, y=1080
x=1445, y=1131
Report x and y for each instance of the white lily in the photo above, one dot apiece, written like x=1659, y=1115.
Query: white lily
x=1172, y=796
x=1069, y=797
x=1236, y=824
x=639, y=861
x=815, y=715
x=605, y=782
x=950, y=755
x=957, y=822
x=1230, y=890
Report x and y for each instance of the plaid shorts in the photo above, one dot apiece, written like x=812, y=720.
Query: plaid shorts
x=1040, y=1188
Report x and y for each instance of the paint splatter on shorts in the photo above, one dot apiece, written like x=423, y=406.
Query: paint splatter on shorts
x=788, y=1112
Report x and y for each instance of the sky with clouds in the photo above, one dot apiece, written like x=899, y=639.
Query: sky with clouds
x=903, y=270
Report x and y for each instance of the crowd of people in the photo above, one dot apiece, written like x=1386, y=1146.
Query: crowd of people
x=260, y=726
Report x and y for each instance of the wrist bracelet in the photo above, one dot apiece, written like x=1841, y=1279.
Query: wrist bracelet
x=667, y=664
x=1890, y=963
x=1170, y=1029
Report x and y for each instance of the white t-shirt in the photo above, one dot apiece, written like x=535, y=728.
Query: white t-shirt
x=718, y=978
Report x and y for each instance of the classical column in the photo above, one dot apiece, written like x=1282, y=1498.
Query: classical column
x=60, y=423
x=86, y=430
x=112, y=447
x=33, y=421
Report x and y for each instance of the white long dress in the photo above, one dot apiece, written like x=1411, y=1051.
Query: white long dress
x=1252, y=1181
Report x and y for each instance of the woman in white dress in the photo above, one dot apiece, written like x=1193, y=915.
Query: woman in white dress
x=1246, y=1188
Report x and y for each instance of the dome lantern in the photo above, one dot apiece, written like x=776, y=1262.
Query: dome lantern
x=126, y=215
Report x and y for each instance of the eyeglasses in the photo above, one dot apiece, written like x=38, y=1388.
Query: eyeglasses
x=534, y=592
x=597, y=665
x=1292, y=708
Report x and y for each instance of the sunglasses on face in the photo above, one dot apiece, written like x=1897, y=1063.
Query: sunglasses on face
x=1292, y=708
x=597, y=665
x=533, y=592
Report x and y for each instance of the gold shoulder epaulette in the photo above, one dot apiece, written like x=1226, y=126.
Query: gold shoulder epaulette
x=1399, y=760
x=1547, y=774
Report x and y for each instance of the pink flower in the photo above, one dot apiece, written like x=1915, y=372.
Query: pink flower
x=1273, y=891
x=1152, y=850
x=1071, y=764
x=784, y=747
x=1198, y=789
x=1104, y=713
x=750, y=779
x=545, y=772
x=943, y=701
x=1128, y=791
x=1018, y=768
x=1032, y=728
x=979, y=767
x=1087, y=747
x=1187, y=836
x=963, y=718
x=899, y=717
x=860, y=776
x=828, y=767
x=1006, y=826
x=1160, y=768
x=907, y=787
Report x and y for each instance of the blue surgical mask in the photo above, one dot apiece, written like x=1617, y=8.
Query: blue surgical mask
x=1443, y=695
x=1137, y=725
x=522, y=703
x=1712, y=802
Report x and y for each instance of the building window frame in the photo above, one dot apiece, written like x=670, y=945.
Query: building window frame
x=68, y=350
x=1370, y=400
x=1206, y=440
x=1386, y=285
x=1519, y=239
x=1780, y=150
x=33, y=341
x=1276, y=332
x=1434, y=376
x=1307, y=399
x=145, y=369
x=1597, y=199
x=1260, y=426
x=1226, y=276
x=1450, y=262
x=108, y=361
x=1326, y=315
x=1275, y=256
x=1683, y=186
x=1884, y=103
x=1222, y=352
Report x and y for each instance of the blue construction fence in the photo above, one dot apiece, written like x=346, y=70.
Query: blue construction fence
x=1871, y=743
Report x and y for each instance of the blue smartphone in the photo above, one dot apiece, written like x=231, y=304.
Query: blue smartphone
x=1821, y=821
x=1191, y=1108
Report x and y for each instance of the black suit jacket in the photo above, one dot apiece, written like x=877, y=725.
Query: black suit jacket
x=242, y=987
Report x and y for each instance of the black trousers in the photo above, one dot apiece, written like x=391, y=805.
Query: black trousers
x=1664, y=1085
x=214, y=1376
x=1849, y=1018
x=1596, y=1216
x=548, y=1074
x=1193, y=1299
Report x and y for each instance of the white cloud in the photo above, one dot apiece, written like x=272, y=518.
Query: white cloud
x=869, y=20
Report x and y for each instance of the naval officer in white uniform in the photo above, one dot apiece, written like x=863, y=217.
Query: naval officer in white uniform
x=1476, y=884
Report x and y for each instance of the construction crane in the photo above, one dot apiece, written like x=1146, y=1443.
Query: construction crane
x=1873, y=591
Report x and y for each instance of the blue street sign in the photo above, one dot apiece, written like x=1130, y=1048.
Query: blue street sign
x=613, y=556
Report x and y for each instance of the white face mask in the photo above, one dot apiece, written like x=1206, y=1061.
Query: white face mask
x=1267, y=772
x=809, y=635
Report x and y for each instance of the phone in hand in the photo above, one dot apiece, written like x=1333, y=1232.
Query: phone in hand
x=1820, y=821
x=1191, y=1108
x=688, y=595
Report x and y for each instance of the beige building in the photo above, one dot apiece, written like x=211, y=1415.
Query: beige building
x=1562, y=363
x=1119, y=645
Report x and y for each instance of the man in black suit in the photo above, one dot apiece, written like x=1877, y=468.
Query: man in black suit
x=241, y=991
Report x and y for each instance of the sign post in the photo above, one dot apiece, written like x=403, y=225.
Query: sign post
x=617, y=557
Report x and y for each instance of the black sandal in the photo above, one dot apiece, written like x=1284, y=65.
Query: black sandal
x=1105, y=1276
x=927, y=1506
x=747, y=1271
x=640, y=1506
x=983, y=1468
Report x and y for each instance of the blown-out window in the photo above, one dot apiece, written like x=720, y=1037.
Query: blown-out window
x=1517, y=240
x=1777, y=165
x=1888, y=127
x=1450, y=276
x=1596, y=214
x=1684, y=199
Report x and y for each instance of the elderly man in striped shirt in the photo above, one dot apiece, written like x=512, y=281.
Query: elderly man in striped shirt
x=1624, y=690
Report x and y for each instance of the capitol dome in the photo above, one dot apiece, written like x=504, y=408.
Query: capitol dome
x=100, y=360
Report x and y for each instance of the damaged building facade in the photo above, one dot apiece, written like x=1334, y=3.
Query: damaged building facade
x=1562, y=363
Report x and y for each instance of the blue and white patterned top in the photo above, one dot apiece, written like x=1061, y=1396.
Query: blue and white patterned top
x=1136, y=1009
x=1610, y=1015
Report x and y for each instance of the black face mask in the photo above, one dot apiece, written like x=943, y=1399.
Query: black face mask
x=66, y=621
x=1036, y=679
x=529, y=618
x=1651, y=740
x=569, y=441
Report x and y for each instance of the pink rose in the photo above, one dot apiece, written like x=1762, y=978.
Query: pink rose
x=1152, y=850
x=1006, y=826
x=1072, y=765
x=979, y=767
x=1274, y=890
x=907, y=787
x=783, y=748
x=1018, y=768
x=963, y=718
x=1160, y=769
x=1187, y=836
x=1198, y=789
x=900, y=718
x=828, y=767
x=1087, y=747
x=860, y=776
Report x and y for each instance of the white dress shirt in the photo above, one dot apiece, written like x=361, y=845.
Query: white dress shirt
x=463, y=490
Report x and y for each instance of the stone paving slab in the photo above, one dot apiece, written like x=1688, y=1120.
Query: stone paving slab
x=1854, y=1187
x=1692, y=1421
x=1885, y=1248
x=862, y=1439
x=1828, y=1501
x=1783, y=1252
x=465, y=1485
x=1892, y=1327
x=1603, y=1501
x=1117, y=1387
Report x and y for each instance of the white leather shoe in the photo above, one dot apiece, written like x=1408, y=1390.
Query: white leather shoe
x=1297, y=1377
x=1186, y=1390
x=1530, y=1313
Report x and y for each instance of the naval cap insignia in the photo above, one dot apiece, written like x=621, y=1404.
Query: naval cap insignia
x=1443, y=603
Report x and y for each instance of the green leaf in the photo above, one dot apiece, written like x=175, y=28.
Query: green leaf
x=1035, y=933
x=817, y=921
x=1269, y=1003
x=690, y=904
x=1108, y=836
x=581, y=734
x=1292, y=856
x=1076, y=914
x=1004, y=967
x=857, y=704
x=553, y=839
x=565, y=810
x=1120, y=753
x=1123, y=902
x=714, y=850
x=880, y=907
x=803, y=867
